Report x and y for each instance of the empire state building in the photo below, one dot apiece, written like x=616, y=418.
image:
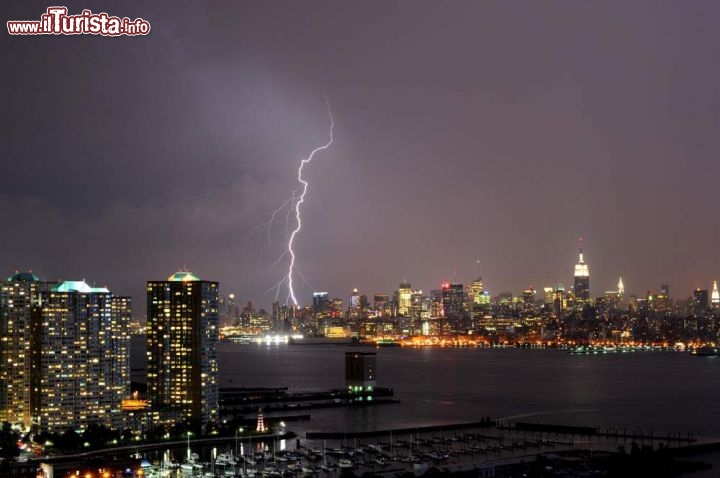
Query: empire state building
x=581, y=286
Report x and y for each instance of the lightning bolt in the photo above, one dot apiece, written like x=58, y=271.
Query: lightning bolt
x=268, y=225
x=299, y=202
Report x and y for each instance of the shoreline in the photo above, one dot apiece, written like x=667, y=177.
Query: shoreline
x=486, y=423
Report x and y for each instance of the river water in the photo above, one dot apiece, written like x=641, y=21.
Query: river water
x=649, y=390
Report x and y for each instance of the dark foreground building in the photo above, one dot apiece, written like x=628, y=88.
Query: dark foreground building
x=360, y=370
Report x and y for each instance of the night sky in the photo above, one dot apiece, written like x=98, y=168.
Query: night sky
x=472, y=138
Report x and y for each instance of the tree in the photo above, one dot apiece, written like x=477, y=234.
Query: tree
x=69, y=441
x=8, y=441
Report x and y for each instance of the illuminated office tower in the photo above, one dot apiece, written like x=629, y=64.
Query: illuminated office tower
x=364, y=302
x=403, y=298
x=80, y=358
x=381, y=303
x=182, y=335
x=19, y=309
x=549, y=295
x=581, y=287
x=474, y=296
x=528, y=301
x=559, y=300
x=699, y=302
x=436, y=303
x=621, y=289
x=475, y=291
x=715, y=296
x=228, y=310
x=416, y=303
x=354, y=300
x=321, y=302
x=453, y=297
x=337, y=307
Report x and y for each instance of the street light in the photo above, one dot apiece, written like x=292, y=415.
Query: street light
x=188, y=446
x=241, y=430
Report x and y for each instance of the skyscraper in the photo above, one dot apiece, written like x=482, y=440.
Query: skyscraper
x=182, y=335
x=528, y=301
x=715, y=296
x=354, y=300
x=321, y=302
x=475, y=291
x=403, y=298
x=699, y=302
x=453, y=297
x=119, y=344
x=381, y=302
x=69, y=343
x=19, y=312
x=581, y=286
x=82, y=358
x=436, y=303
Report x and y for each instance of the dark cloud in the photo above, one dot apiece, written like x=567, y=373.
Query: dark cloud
x=465, y=131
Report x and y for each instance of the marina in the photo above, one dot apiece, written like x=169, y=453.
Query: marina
x=452, y=448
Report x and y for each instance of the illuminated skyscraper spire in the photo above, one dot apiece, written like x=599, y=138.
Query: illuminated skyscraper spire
x=582, y=279
x=621, y=288
x=715, y=295
x=581, y=269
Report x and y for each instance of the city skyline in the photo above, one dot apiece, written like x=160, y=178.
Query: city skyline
x=363, y=238
x=500, y=138
x=580, y=269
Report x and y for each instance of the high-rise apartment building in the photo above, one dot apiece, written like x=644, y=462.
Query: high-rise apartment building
x=19, y=310
x=119, y=345
x=182, y=335
x=65, y=351
x=82, y=358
